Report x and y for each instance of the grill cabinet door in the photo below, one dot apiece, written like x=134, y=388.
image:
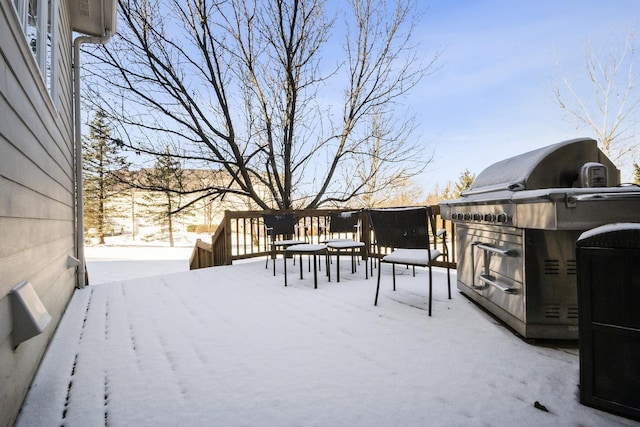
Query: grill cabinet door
x=490, y=265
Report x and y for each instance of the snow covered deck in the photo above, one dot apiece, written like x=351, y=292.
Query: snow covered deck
x=230, y=346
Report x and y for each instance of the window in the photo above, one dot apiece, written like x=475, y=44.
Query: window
x=38, y=19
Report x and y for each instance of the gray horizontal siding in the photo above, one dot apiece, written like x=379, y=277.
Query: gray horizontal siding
x=36, y=198
x=20, y=234
x=18, y=201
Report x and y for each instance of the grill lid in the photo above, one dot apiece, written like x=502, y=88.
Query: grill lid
x=554, y=166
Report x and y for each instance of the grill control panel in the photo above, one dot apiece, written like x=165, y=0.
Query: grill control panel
x=487, y=214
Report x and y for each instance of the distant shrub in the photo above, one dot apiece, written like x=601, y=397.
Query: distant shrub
x=192, y=228
x=203, y=228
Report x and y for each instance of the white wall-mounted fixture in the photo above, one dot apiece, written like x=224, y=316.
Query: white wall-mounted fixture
x=72, y=262
x=29, y=315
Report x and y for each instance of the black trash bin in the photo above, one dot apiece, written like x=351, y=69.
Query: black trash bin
x=608, y=260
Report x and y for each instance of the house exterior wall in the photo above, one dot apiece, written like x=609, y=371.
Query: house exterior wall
x=36, y=196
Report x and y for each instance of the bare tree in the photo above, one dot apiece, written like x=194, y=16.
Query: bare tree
x=606, y=99
x=378, y=175
x=243, y=87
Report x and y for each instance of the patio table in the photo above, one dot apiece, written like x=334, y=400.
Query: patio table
x=343, y=245
x=307, y=249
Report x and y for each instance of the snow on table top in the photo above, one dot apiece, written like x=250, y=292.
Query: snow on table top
x=306, y=247
x=344, y=244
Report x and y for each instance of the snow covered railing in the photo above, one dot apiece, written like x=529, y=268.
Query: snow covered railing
x=241, y=235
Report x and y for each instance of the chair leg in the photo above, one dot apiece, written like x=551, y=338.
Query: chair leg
x=285, y=269
x=327, y=260
x=448, y=276
x=366, y=269
x=375, y=302
x=301, y=265
x=315, y=271
x=353, y=260
x=371, y=262
x=394, y=276
x=430, y=287
x=266, y=264
x=273, y=257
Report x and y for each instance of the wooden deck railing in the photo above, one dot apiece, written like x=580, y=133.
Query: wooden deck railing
x=241, y=235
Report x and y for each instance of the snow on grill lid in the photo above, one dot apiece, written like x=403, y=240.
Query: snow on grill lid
x=554, y=166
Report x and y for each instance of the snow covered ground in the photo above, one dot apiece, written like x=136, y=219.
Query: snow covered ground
x=113, y=263
x=156, y=345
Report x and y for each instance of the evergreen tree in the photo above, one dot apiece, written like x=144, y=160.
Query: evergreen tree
x=636, y=173
x=167, y=181
x=102, y=166
x=464, y=182
x=447, y=193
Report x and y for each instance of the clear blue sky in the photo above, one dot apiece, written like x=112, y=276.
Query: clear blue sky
x=492, y=97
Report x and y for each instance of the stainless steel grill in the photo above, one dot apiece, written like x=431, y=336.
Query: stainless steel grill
x=517, y=226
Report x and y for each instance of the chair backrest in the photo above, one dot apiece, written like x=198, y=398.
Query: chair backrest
x=432, y=220
x=343, y=222
x=280, y=224
x=406, y=228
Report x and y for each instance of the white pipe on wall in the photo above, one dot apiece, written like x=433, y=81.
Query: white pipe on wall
x=79, y=217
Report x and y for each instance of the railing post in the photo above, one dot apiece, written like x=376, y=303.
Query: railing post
x=228, y=249
x=198, y=263
x=365, y=231
x=213, y=251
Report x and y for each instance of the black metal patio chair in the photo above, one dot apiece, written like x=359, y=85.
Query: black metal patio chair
x=345, y=224
x=281, y=229
x=342, y=226
x=406, y=232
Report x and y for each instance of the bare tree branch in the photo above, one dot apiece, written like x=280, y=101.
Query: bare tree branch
x=606, y=100
x=239, y=87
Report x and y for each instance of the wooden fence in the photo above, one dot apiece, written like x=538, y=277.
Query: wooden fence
x=241, y=235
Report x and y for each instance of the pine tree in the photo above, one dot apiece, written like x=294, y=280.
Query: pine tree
x=636, y=173
x=167, y=180
x=447, y=193
x=464, y=182
x=102, y=165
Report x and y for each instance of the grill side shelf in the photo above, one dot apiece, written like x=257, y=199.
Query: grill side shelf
x=573, y=199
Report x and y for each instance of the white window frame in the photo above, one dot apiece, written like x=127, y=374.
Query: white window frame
x=46, y=38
